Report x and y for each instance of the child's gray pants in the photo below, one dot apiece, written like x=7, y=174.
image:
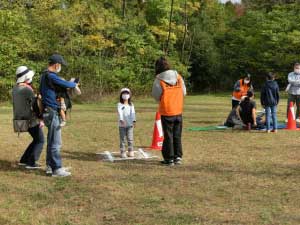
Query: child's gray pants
x=126, y=132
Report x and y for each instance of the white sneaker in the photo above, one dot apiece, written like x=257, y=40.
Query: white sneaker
x=130, y=154
x=123, y=155
x=49, y=169
x=61, y=172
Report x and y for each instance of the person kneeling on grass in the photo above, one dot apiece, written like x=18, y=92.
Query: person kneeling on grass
x=246, y=111
x=127, y=122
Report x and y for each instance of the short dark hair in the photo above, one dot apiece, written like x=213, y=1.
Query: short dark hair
x=296, y=64
x=270, y=76
x=250, y=94
x=162, y=65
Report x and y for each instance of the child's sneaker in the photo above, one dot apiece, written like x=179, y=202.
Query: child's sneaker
x=63, y=123
x=274, y=131
x=123, y=155
x=268, y=131
x=130, y=154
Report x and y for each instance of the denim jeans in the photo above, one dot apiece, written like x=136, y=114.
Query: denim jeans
x=126, y=132
x=271, y=111
x=172, y=127
x=294, y=99
x=51, y=119
x=34, y=149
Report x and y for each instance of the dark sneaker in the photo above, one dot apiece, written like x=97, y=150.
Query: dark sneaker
x=178, y=161
x=33, y=167
x=167, y=162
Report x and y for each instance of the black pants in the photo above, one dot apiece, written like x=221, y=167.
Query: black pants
x=234, y=103
x=172, y=127
x=33, y=151
x=296, y=100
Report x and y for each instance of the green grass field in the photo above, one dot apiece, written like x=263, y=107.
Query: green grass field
x=228, y=177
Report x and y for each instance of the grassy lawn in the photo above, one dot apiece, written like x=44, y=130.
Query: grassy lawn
x=228, y=177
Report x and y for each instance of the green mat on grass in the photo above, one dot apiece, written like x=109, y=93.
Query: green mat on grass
x=207, y=128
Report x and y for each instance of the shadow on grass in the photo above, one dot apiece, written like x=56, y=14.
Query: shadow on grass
x=82, y=156
x=273, y=170
x=8, y=166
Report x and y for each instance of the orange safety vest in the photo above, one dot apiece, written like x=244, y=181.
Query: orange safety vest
x=171, y=101
x=243, y=90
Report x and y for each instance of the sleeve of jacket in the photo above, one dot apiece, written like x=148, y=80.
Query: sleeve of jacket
x=277, y=94
x=156, y=90
x=133, y=114
x=183, y=87
x=62, y=83
x=236, y=86
x=120, y=111
x=293, y=80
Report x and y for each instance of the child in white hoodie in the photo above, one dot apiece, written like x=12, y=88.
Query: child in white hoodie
x=127, y=122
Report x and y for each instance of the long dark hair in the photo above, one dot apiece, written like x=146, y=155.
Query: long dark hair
x=122, y=100
x=162, y=65
x=248, y=77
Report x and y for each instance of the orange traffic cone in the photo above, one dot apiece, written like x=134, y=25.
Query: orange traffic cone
x=158, y=136
x=291, y=124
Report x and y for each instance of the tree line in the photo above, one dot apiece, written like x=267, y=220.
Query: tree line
x=114, y=43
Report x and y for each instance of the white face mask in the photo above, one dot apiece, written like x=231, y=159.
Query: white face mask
x=246, y=81
x=59, y=68
x=125, y=96
x=297, y=71
x=29, y=81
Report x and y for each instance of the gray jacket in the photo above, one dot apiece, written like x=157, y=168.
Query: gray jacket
x=294, y=81
x=22, y=105
x=170, y=77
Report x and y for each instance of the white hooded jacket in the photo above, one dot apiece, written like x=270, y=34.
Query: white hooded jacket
x=170, y=77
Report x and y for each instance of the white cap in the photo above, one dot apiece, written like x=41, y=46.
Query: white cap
x=23, y=74
x=125, y=90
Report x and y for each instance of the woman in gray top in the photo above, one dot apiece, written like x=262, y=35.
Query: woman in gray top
x=23, y=99
x=293, y=90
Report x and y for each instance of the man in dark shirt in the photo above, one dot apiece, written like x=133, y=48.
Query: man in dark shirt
x=49, y=80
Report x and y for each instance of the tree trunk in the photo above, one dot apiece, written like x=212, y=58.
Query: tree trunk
x=170, y=28
x=185, y=31
x=124, y=8
x=191, y=46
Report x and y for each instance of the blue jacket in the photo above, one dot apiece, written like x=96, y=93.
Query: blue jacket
x=270, y=93
x=48, y=93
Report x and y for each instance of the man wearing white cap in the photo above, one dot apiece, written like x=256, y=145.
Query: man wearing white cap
x=25, y=119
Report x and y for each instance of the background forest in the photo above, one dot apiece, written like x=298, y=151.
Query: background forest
x=114, y=43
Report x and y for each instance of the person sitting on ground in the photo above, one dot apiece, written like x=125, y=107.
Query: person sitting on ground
x=241, y=87
x=246, y=110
